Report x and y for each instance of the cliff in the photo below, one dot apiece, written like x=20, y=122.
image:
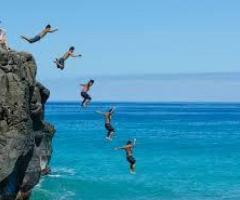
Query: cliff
x=25, y=138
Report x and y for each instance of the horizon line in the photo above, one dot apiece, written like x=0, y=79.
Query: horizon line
x=180, y=102
x=156, y=74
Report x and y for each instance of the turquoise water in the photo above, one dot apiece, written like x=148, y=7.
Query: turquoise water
x=183, y=152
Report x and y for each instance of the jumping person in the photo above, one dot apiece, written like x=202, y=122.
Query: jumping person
x=86, y=97
x=108, y=126
x=41, y=35
x=129, y=154
x=3, y=39
x=60, y=62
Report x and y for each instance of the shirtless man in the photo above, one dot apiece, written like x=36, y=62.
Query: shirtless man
x=60, y=62
x=3, y=39
x=108, y=126
x=129, y=154
x=86, y=97
x=41, y=35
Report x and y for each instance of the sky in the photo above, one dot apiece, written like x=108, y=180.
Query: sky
x=133, y=39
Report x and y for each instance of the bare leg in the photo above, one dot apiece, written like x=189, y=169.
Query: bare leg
x=88, y=102
x=25, y=38
x=111, y=135
x=83, y=102
x=132, y=168
x=31, y=40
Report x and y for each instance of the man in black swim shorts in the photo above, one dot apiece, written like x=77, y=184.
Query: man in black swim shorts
x=108, y=126
x=129, y=151
x=84, y=93
x=70, y=53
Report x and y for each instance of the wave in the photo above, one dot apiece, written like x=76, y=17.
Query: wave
x=57, y=172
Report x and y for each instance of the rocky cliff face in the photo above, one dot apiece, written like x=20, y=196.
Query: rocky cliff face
x=25, y=138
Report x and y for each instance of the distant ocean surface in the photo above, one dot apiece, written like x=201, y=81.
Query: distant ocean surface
x=184, y=151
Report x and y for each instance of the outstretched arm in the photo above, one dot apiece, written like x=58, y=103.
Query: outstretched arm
x=99, y=112
x=134, y=141
x=118, y=148
x=124, y=147
x=127, y=146
x=74, y=56
x=54, y=30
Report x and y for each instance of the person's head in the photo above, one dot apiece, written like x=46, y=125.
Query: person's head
x=48, y=26
x=91, y=82
x=129, y=142
x=71, y=49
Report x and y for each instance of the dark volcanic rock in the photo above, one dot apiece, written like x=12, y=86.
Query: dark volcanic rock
x=25, y=138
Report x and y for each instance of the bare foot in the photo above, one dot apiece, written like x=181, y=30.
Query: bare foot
x=108, y=138
x=132, y=172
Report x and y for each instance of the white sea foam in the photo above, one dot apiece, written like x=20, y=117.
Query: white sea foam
x=67, y=195
x=55, y=175
x=39, y=184
x=63, y=171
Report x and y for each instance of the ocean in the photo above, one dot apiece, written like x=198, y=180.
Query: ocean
x=184, y=151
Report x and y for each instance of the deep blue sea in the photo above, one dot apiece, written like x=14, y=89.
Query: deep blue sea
x=184, y=151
